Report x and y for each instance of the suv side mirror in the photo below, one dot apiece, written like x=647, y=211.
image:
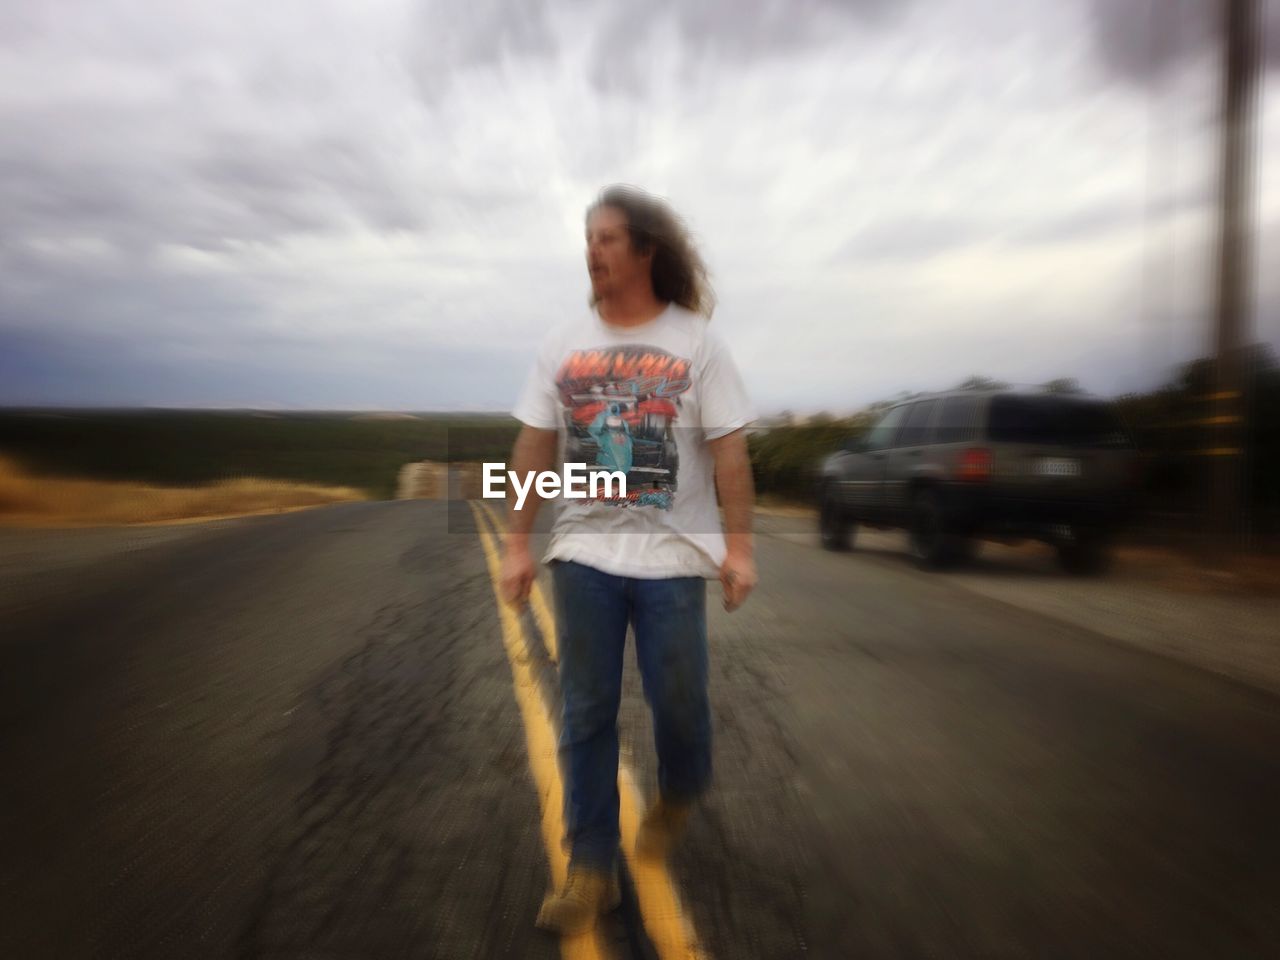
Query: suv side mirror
x=855, y=445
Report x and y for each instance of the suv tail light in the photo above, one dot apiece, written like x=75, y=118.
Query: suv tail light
x=974, y=465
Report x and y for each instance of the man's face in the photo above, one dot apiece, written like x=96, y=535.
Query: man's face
x=612, y=262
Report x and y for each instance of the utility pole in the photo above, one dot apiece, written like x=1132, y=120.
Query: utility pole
x=1226, y=427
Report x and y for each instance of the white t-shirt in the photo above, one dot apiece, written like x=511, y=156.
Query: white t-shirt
x=643, y=400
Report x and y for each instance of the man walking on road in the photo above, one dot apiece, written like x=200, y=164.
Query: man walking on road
x=641, y=373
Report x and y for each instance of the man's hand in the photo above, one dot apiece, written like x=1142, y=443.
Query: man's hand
x=533, y=453
x=738, y=579
x=515, y=580
x=733, y=485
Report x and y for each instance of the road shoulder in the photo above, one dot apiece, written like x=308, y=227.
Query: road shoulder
x=1237, y=637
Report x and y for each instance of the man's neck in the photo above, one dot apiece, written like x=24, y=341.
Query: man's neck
x=630, y=309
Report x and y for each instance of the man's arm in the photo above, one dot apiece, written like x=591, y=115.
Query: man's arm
x=737, y=497
x=533, y=453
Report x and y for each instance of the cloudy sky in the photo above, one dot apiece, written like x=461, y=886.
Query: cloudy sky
x=378, y=204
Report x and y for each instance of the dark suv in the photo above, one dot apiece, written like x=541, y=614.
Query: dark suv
x=952, y=467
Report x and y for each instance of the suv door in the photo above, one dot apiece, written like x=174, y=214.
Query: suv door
x=957, y=425
x=880, y=439
x=906, y=458
x=848, y=474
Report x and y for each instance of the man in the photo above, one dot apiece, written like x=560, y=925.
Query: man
x=643, y=558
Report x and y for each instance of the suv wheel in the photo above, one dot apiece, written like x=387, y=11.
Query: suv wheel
x=1087, y=553
x=835, y=528
x=932, y=541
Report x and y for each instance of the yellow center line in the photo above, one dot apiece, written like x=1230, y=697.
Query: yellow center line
x=665, y=920
x=540, y=740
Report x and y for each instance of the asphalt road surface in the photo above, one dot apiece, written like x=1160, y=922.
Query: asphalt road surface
x=314, y=735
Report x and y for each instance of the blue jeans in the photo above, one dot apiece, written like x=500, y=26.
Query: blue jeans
x=669, y=616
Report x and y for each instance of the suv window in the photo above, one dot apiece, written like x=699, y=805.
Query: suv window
x=881, y=434
x=958, y=421
x=1065, y=421
x=917, y=428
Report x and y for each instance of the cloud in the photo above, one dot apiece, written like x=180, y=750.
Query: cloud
x=448, y=37
x=912, y=239
x=47, y=369
x=459, y=38
x=916, y=239
x=1124, y=212
x=1145, y=41
x=380, y=203
x=726, y=34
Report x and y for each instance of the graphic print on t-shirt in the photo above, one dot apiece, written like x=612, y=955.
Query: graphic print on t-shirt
x=620, y=408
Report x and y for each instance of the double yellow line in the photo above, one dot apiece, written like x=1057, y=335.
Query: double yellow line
x=664, y=918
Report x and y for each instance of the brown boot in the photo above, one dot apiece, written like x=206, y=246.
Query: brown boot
x=661, y=827
x=587, y=893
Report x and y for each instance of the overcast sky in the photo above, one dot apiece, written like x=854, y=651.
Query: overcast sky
x=378, y=205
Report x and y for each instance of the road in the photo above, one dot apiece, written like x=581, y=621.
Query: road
x=314, y=735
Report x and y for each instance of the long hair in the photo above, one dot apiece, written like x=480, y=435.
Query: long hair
x=678, y=272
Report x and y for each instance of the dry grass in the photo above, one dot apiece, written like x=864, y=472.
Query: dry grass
x=29, y=500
